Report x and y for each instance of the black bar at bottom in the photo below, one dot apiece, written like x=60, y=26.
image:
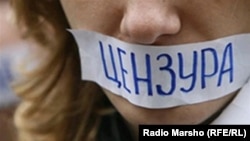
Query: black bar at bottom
x=204, y=132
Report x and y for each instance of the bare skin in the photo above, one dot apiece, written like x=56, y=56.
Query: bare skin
x=162, y=22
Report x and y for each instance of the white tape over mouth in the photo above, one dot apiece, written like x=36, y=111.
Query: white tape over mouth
x=165, y=76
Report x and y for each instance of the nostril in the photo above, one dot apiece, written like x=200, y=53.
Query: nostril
x=146, y=27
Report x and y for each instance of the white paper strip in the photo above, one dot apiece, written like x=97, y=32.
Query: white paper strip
x=165, y=76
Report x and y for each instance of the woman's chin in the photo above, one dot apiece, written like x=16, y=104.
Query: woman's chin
x=185, y=114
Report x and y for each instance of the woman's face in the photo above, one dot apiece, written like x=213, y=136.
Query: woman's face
x=161, y=22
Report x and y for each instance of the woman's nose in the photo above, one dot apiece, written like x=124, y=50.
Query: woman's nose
x=146, y=20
